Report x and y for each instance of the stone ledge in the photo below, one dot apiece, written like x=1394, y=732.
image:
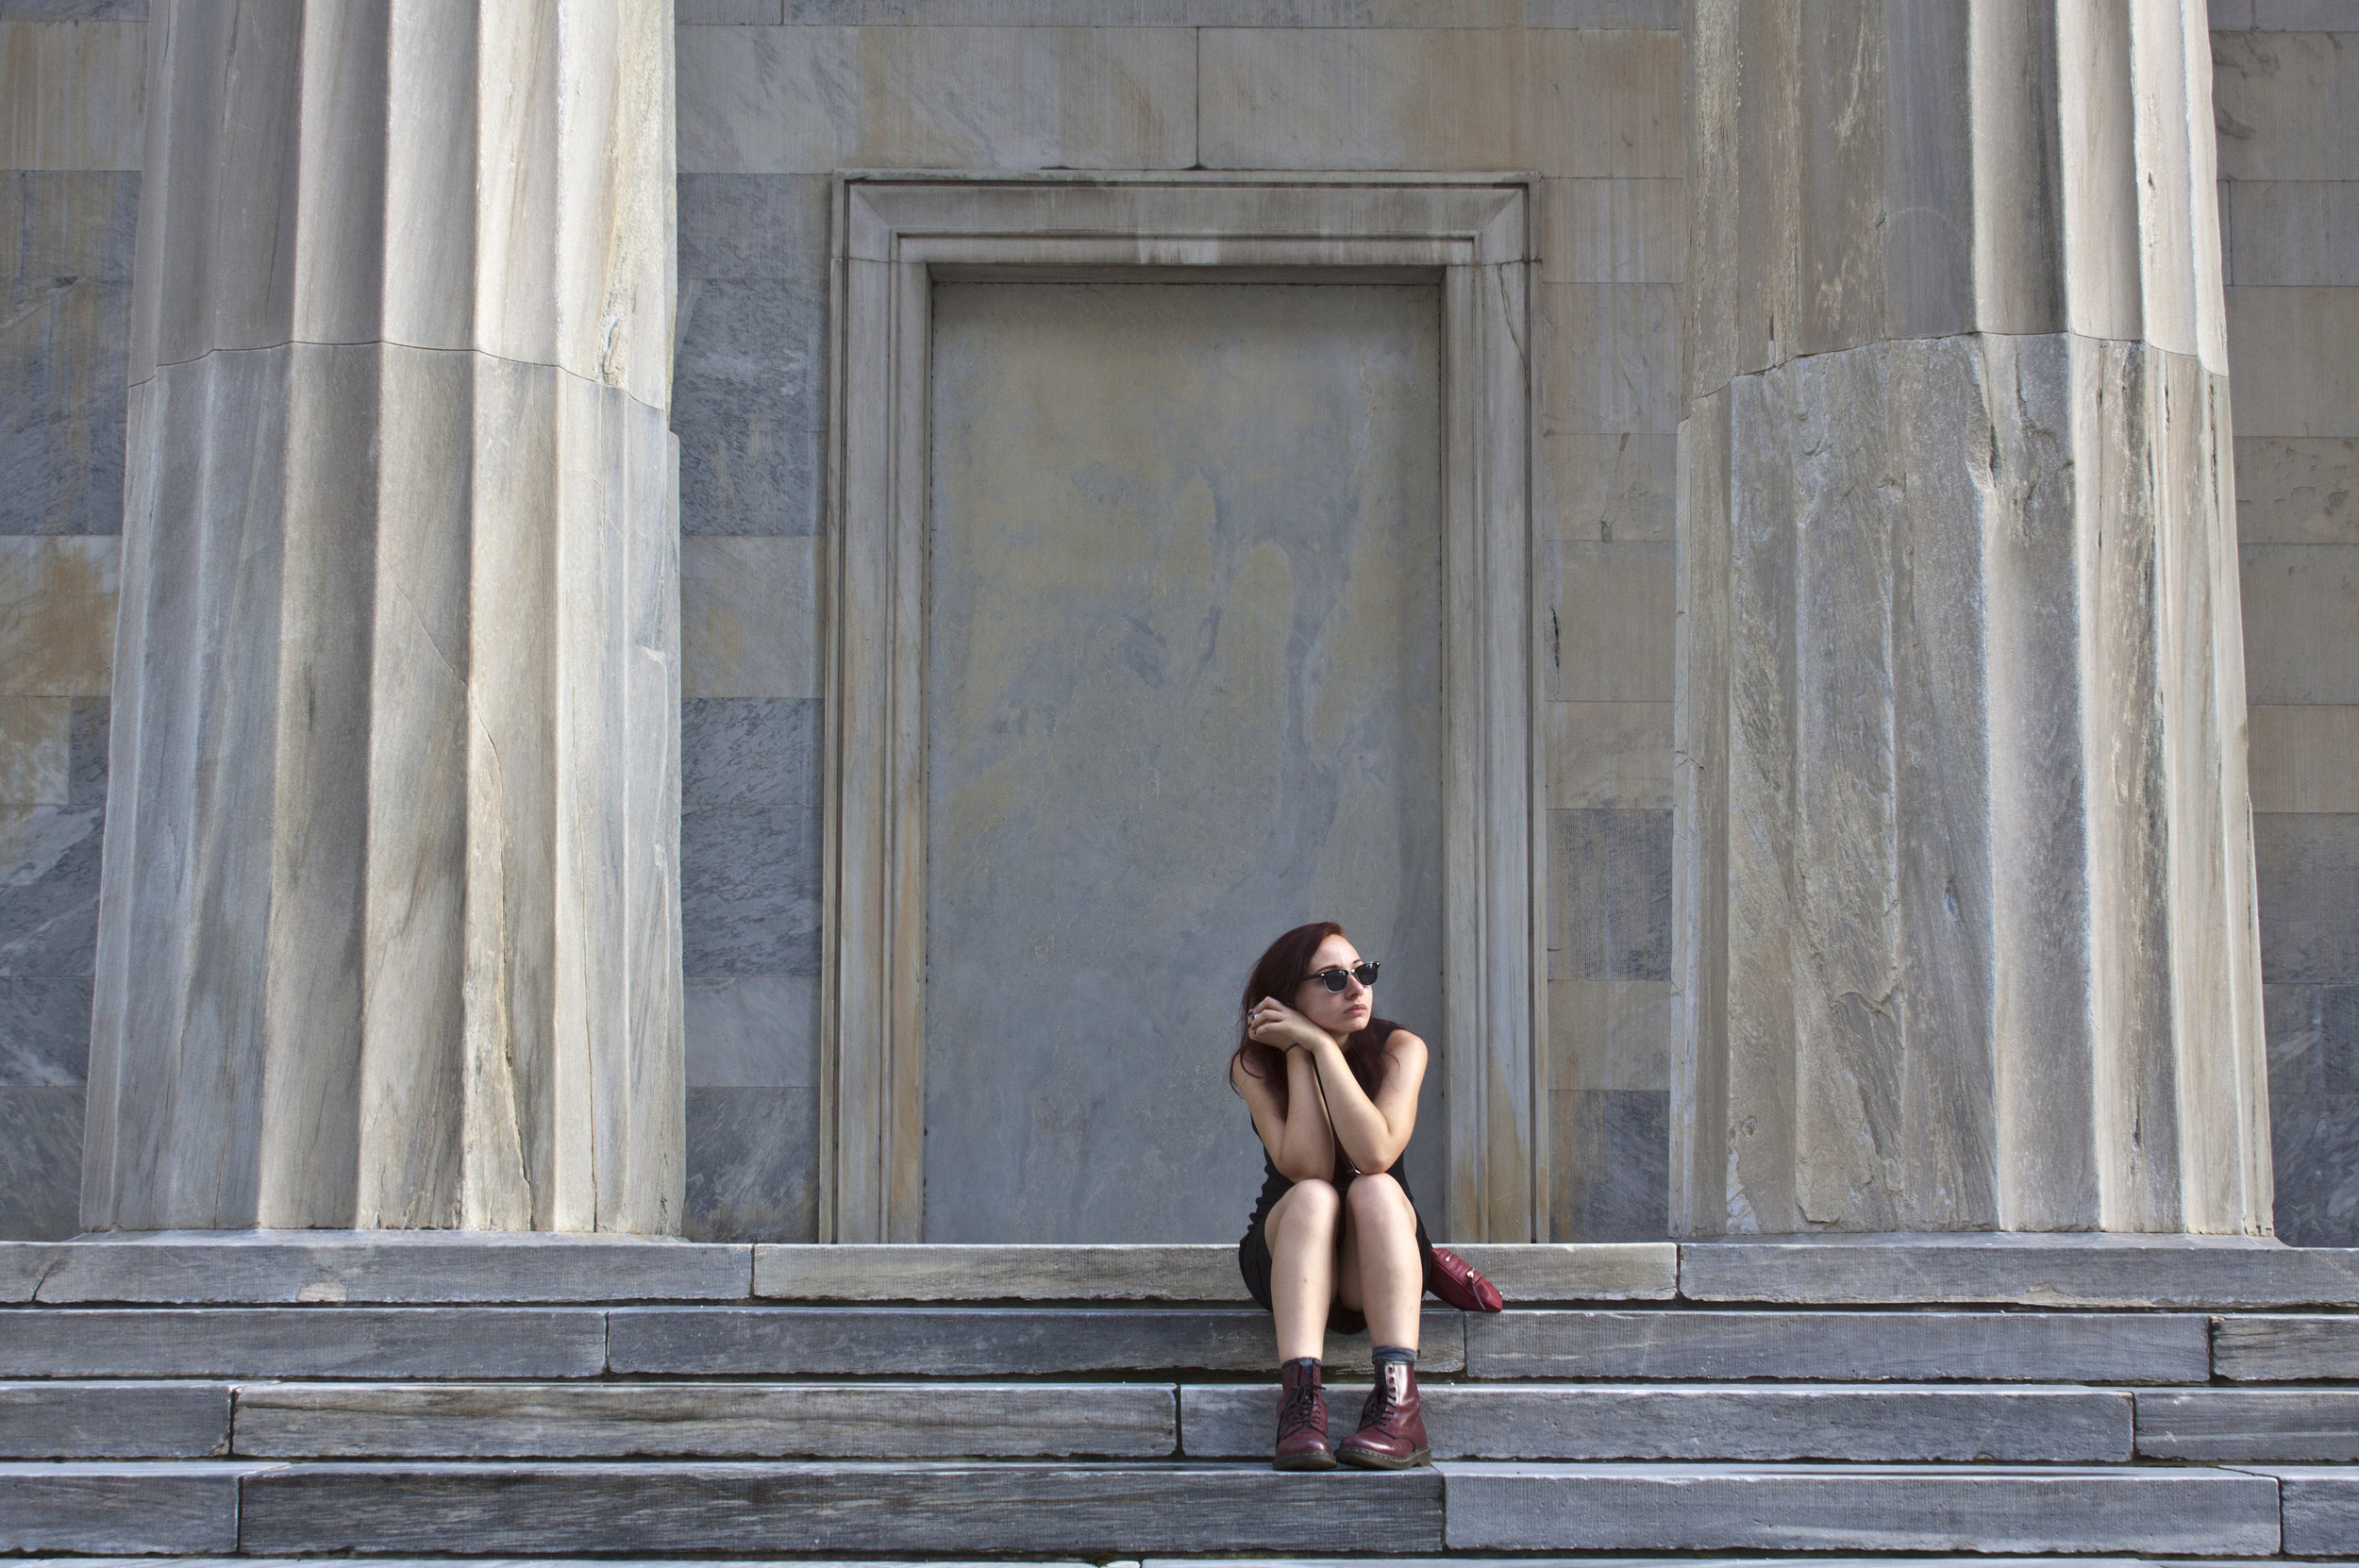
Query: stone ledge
x=2035, y=1270
x=129, y=1509
x=1531, y=1271
x=810, y=1510
x=707, y=1421
x=1845, y=1346
x=177, y=1419
x=973, y=1342
x=1687, y=1423
x=262, y=1267
x=1860, y=1508
x=297, y=1341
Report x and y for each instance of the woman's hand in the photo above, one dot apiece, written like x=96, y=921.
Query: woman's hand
x=1273, y=1023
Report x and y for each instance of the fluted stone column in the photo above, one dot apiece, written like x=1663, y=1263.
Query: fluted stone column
x=389, y=924
x=1964, y=890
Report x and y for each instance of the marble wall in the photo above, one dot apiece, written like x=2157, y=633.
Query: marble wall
x=2285, y=85
x=70, y=135
x=777, y=94
x=1183, y=693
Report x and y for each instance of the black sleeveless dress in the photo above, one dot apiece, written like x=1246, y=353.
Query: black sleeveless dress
x=1253, y=1258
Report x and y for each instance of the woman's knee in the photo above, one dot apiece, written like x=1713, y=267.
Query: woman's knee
x=1312, y=1203
x=1378, y=1199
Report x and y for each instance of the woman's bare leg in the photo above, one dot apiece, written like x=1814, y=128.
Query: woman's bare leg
x=1300, y=1230
x=1379, y=1255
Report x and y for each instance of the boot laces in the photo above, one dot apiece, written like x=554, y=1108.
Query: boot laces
x=1301, y=1409
x=1379, y=1408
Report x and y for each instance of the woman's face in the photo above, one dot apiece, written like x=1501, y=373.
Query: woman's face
x=1339, y=1012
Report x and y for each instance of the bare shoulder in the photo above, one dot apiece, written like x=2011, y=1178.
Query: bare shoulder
x=1405, y=1048
x=1255, y=1089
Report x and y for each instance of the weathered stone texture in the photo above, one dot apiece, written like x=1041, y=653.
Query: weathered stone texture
x=1843, y=1346
x=796, y=1509
x=1560, y=102
x=1609, y=755
x=1790, y=1508
x=2292, y=233
x=65, y=270
x=2314, y=1111
x=972, y=1342
x=1961, y=692
x=304, y=1341
x=126, y=1509
x=113, y=1421
x=2320, y=1509
x=2032, y=1268
x=40, y=1161
x=753, y=1164
x=429, y=1266
x=1134, y=647
x=1611, y=1421
x=2287, y=102
x=1611, y=1154
x=2286, y=1348
x=749, y=617
x=71, y=92
x=1986, y=1033
x=2244, y=1425
x=2304, y=342
x=2297, y=489
x=2309, y=873
x=1610, y=624
x=2300, y=757
x=412, y=958
x=838, y=1420
x=813, y=99
x=1603, y=230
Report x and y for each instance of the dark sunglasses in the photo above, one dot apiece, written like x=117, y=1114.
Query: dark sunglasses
x=1364, y=971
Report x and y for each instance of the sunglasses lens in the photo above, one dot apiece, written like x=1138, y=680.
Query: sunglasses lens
x=1336, y=979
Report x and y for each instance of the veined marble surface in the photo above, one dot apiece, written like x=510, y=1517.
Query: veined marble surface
x=389, y=928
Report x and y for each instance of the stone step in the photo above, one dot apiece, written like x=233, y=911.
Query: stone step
x=287, y=1268
x=1564, y=1507
x=707, y=1421
x=2320, y=1509
x=972, y=1342
x=161, y=1510
x=258, y=1268
x=1705, y=1344
x=1142, y=1419
x=2256, y=1426
x=1657, y=1421
x=680, y=1509
x=2023, y=1268
x=847, y=1510
x=1525, y=1272
x=2286, y=1348
x=304, y=1341
x=56, y=1419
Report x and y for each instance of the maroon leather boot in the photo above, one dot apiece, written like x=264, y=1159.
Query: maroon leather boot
x=1392, y=1425
x=1301, y=1419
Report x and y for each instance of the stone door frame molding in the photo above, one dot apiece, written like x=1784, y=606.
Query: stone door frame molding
x=894, y=236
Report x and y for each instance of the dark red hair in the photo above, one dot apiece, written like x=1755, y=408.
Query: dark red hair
x=1280, y=973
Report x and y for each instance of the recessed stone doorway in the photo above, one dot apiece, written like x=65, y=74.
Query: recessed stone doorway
x=1183, y=591
x=1183, y=690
